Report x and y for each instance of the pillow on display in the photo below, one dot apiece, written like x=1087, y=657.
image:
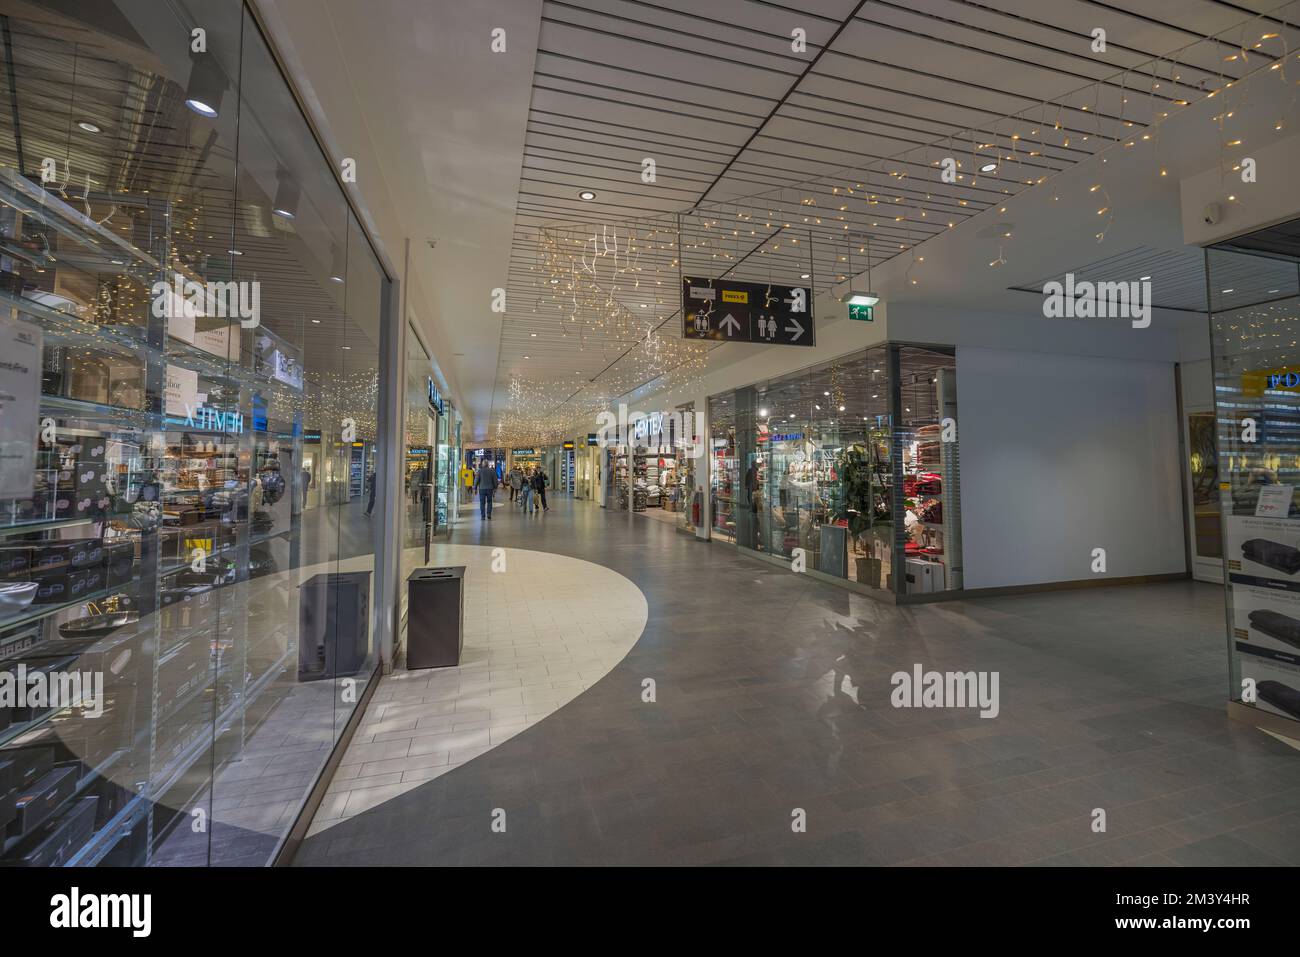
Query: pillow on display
x=1272, y=554
x=1276, y=625
x=1280, y=696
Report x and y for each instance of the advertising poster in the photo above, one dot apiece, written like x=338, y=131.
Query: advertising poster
x=20, y=406
x=181, y=393
x=1263, y=560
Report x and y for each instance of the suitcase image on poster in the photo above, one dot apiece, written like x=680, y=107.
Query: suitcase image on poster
x=1280, y=696
x=1276, y=625
x=1273, y=554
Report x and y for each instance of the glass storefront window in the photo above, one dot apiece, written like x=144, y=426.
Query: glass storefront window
x=813, y=461
x=927, y=387
x=680, y=489
x=194, y=315
x=1254, y=323
x=723, y=477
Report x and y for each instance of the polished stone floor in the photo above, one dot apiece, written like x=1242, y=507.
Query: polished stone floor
x=540, y=629
x=772, y=704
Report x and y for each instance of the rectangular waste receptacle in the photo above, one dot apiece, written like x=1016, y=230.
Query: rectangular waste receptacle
x=333, y=625
x=435, y=617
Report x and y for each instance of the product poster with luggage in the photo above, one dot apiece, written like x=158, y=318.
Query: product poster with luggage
x=1263, y=563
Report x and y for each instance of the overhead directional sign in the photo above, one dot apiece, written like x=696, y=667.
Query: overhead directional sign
x=724, y=310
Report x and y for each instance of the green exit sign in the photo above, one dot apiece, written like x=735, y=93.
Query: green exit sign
x=861, y=313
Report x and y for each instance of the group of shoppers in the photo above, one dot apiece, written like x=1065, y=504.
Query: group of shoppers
x=527, y=488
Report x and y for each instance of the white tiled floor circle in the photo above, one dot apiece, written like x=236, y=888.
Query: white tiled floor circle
x=537, y=635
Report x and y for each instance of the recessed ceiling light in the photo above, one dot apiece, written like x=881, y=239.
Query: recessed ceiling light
x=347, y=347
x=117, y=262
x=804, y=276
x=533, y=334
x=316, y=321
x=1143, y=278
x=555, y=282
x=643, y=305
x=586, y=195
x=1229, y=290
x=762, y=412
x=988, y=167
x=1275, y=290
x=527, y=357
x=234, y=252
x=336, y=278
x=88, y=126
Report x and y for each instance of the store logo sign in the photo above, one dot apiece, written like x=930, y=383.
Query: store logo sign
x=1283, y=380
x=209, y=419
x=1099, y=300
x=435, y=397
x=224, y=300
x=653, y=428
x=652, y=424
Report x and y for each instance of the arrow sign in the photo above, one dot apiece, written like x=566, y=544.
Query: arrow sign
x=747, y=312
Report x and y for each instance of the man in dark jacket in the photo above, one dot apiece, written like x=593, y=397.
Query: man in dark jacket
x=485, y=483
x=540, y=481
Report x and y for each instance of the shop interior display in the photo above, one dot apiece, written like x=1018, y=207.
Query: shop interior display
x=164, y=457
x=723, y=465
x=1252, y=473
x=816, y=466
x=655, y=474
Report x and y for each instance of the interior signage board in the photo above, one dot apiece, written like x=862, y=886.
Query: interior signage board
x=860, y=312
x=725, y=310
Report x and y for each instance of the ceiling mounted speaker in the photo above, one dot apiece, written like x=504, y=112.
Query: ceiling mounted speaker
x=207, y=85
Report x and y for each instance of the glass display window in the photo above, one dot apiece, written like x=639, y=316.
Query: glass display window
x=681, y=486
x=850, y=466
x=723, y=466
x=191, y=321
x=926, y=437
x=1254, y=320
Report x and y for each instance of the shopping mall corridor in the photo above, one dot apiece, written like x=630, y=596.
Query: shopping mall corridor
x=772, y=696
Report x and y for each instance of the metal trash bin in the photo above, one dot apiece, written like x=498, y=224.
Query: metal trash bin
x=435, y=617
x=333, y=625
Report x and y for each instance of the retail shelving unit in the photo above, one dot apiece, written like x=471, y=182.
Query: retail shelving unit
x=164, y=475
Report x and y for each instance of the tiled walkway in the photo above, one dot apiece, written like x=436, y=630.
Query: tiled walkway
x=772, y=694
x=539, y=631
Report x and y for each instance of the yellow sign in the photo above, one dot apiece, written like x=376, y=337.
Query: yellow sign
x=729, y=295
x=1255, y=382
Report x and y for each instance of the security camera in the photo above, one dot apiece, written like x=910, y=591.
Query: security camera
x=1211, y=214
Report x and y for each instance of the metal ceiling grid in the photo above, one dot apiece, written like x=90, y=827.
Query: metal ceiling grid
x=821, y=152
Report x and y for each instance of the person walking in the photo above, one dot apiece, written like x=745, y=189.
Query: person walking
x=370, y=503
x=540, y=481
x=525, y=491
x=516, y=483
x=485, y=483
